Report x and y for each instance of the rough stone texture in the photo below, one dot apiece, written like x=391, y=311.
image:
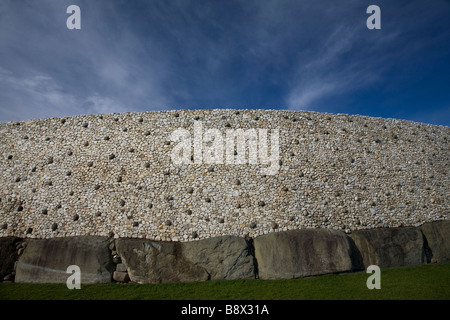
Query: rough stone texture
x=390, y=247
x=121, y=276
x=279, y=255
x=437, y=236
x=157, y=262
x=8, y=255
x=217, y=258
x=46, y=260
x=300, y=253
x=226, y=257
x=336, y=171
x=121, y=267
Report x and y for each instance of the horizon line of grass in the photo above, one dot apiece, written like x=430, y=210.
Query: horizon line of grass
x=424, y=282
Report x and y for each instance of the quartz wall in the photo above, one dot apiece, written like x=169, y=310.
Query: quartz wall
x=118, y=174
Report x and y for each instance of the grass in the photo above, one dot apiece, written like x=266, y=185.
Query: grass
x=423, y=283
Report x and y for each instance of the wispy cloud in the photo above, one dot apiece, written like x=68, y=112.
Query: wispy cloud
x=40, y=96
x=332, y=71
x=152, y=55
x=100, y=68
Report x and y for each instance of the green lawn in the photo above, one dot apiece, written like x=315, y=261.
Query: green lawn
x=423, y=282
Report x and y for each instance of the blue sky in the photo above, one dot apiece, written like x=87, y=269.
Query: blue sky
x=140, y=55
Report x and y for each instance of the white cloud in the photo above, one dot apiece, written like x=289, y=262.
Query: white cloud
x=47, y=70
x=39, y=96
x=99, y=104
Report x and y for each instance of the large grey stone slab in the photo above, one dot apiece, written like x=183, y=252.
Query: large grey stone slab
x=390, y=247
x=46, y=260
x=157, y=262
x=225, y=257
x=163, y=262
x=304, y=252
x=437, y=235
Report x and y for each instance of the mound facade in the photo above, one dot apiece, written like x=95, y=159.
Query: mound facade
x=149, y=175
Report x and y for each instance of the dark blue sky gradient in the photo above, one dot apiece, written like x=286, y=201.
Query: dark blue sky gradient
x=263, y=54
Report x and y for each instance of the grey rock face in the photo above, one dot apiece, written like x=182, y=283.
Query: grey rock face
x=390, y=247
x=162, y=262
x=121, y=276
x=157, y=262
x=226, y=257
x=300, y=253
x=437, y=235
x=121, y=267
x=276, y=255
x=46, y=260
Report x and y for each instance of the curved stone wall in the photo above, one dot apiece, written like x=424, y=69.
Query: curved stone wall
x=131, y=175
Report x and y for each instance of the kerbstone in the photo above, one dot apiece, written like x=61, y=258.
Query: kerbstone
x=46, y=260
x=217, y=258
x=225, y=257
x=390, y=247
x=301, y=253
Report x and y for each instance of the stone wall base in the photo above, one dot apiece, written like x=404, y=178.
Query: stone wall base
x=277, y=255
